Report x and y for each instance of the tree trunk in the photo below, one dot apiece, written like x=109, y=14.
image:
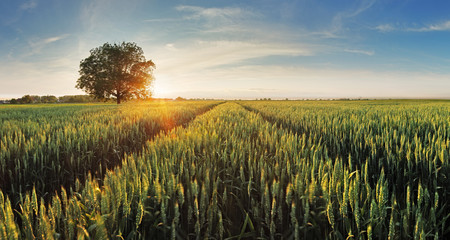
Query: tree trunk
x=118, y=99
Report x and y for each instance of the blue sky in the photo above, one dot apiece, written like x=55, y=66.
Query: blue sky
x=236, y=48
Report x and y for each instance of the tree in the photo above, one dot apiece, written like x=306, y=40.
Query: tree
x=76, y=99
x=26, y=99
x=49, y=99
x=35, y=99
x=180, y=99
x=117, y=71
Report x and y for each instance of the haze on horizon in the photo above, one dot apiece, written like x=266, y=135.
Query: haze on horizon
x=236, y=49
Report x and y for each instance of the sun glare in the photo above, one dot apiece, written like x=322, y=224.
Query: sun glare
x=161, y=90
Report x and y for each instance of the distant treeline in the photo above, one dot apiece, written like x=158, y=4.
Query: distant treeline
x=30, y=99
x=27, y=99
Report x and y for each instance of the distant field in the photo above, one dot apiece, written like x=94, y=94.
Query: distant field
x=217, y=170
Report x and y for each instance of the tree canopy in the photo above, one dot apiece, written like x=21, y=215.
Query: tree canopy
x=118, y=71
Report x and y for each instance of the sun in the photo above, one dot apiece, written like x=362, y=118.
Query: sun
x=161, y=89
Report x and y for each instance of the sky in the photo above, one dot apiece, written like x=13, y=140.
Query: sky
x=236, y=49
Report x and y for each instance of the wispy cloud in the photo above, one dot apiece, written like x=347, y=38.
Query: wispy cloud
x=102, y=15
x=199, y=55
x=264, y=90
x=436, y=27
x=443, y=26
x=170, y=47
x=28, y=5
x=37, y=45
x=357, y=51
x=54, y=39
x=385, y=28
x=339, y=19
x=162, y=20
x=214, y=13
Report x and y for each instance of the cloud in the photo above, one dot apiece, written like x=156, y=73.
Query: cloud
x=214, y=13
x=162, y=20
x=225, y=20
x=437, y=27
x=263, y=89
x=443, y=26
x=369, y=53
x=46, y=41
x=28, y=5
x=54, y=39
x=339, y=18
x=198, y=55
x=363, y=7
x=385, y=28
x=170, y=47
x=37, y=45
x=100, y=16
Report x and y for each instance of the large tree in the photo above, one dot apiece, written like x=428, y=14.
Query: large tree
x=117, y=71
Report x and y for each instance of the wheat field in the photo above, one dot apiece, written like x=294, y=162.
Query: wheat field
x=226, y=170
